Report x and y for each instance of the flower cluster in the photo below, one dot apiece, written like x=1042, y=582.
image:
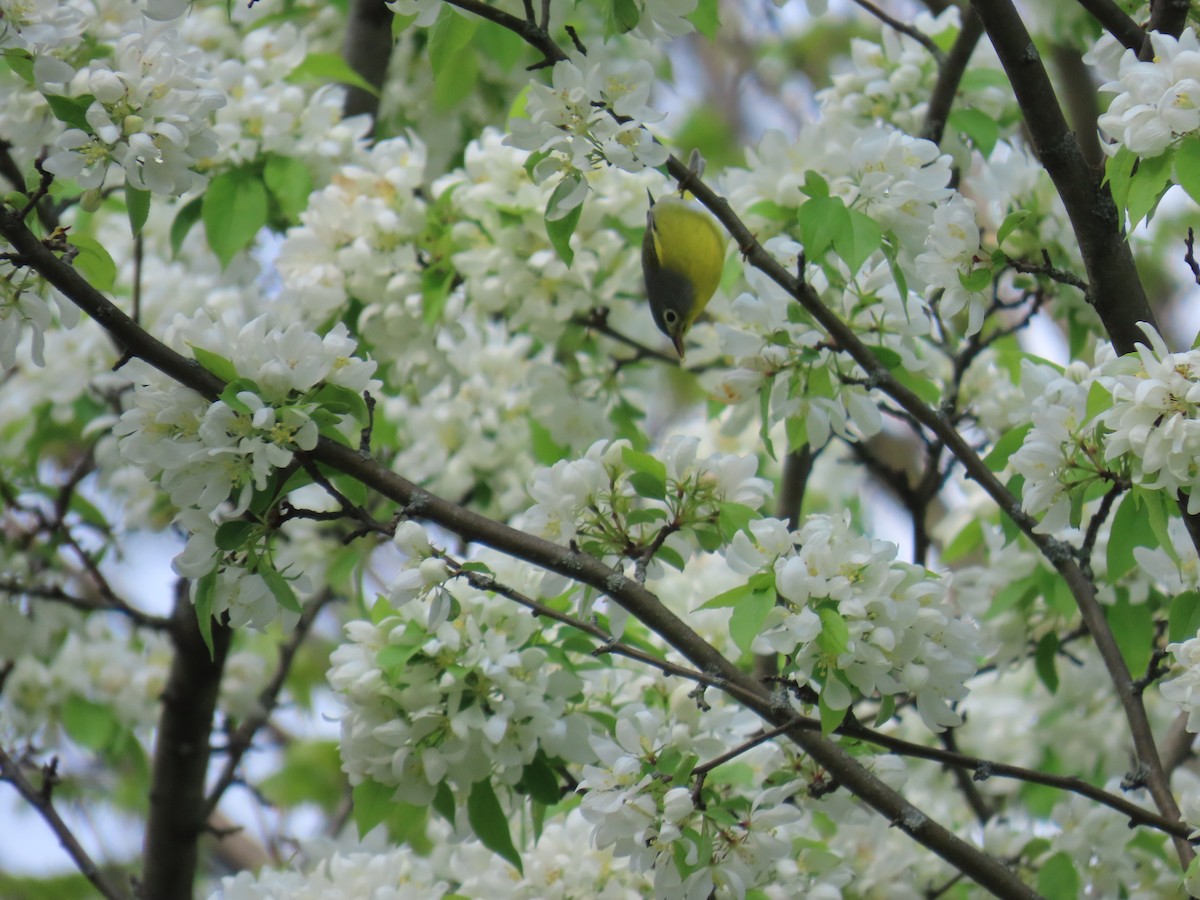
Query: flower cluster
x=93, y=665
x=640, y=802
x=455, y=701
x=24, y=306
x=614, y=499
x=1158, y=101
x=952, y=256
x=1060, y=454
x=856, y=619
x=207, y=455
x=594, y=110
x=774, y=349
x=558, y=864
x=1184, y=689
x=147, y=110
x=359, y=236
x=398, y=874
x=265, y=113
x=1155, y=417
x=40, y=26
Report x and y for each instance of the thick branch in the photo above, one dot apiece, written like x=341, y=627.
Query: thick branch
x=368, y=49
x=177, y=814
x=1114, y=20
x=1117, y=291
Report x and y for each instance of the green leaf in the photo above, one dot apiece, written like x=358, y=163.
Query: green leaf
x=289, y=183
x=1011, y=223
x=887, y=709
x=90, y=724
x=977, y=280
x=814, y=185
x=187, y=216
x=232, y=536
x=311, y=773
x=1159, y=510
x=329, y=67
x=455, y=69
x=443, y=802
x=982, y=129
x=831, y=719
x=671, y=557
x=1187, y=167
x=1057, y=878
x=449, y=36
x=859, y=240
x=72, y=110
x=540, y=782
x=1010, y=442
x=966, y=542
x=1099, y=401
x=731, y=597
x=1133, y=628
x=735, y=517
x=453, y=85
x=216, y=364
x=372, y=802
x=1125, y=534
x=925, y=389
x=559, y=229
x=645, y=463
x=343, y=401
x=888, y=357
x=1183, y=618
x=235, y=210
x=834, y=638
x=93, y=262
x=206, y=588
x=1044, y=661
x=137, y=204
x=1147, y=185
x=707, y=18
x=621, y=16
x=748, y=617
x=281, y=589
x=21, y=63
x=1118, y=171
x=490, y=824
x=823, y=221
x=545, y=450
x=648, y=486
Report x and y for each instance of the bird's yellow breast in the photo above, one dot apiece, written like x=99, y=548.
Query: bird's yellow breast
x=687, y=241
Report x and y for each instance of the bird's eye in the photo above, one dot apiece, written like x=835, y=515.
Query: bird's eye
x=670, y=316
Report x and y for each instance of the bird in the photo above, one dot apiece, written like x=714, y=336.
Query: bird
x=683, y=254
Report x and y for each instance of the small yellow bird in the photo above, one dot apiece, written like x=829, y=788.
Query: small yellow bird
x=683, y=254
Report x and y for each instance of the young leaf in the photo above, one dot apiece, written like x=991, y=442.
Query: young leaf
x=234, y=211
x=490, y=823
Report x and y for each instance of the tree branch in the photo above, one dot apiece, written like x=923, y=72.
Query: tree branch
x=367, y=47
x=178, y=812
x=10, y=771
x=950, y=74
x=243, y=736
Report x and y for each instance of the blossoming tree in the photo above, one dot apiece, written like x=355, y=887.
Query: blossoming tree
x=478, y=590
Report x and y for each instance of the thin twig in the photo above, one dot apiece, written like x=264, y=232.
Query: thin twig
x=10, y=771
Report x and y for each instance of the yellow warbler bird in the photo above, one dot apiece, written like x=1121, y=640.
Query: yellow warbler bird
x=683, y=254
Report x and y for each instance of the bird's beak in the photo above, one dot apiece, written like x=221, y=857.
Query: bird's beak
x=677, y=340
